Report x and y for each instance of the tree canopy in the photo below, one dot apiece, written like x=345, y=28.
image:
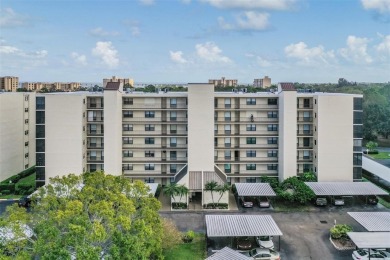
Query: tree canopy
x=92, y=216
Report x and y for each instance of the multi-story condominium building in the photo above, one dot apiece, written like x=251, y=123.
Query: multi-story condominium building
x=9, y=84
x=223, y=82
x=124, y=81
x=262, y=83
x=63, y=86
x=17, y=133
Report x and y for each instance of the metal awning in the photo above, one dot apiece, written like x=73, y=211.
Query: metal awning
x=152, y=187
x=373, y=221
x=254, y=189
x=345, y=188
x=227, y=253
x=376, y=168
x=370, y=240
x=241, y=226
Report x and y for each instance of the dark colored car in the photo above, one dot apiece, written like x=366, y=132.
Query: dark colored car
x=24, y=202
x=243, y=243
x=321, y=201
x=373, y=200
x=246, y=202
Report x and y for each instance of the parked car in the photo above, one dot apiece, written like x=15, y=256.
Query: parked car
x=338, y=201
x=265, y=242
x=243, y=243
x=372, y=199
x=263, y=202
x=362, y=254
x=24, y=202
x=246, y=202
x=262, y=254
x=320, y=201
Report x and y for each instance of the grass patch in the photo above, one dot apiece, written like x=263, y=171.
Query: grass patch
x=196, y=250
x=28, y=180
x=11, y=196
x=380, y=155
x=286, y=206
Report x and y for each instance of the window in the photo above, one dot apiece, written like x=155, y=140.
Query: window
x=173, y=115
x=127, y=140
x=40, y=159
x=172, y=168
x=357, y=172
x=215, y=141
x=228, y=155
x=272, y=153
x=127, y=153
x=40, y=117
x=127, y=167
x=127, y=101
x=250, y=153
x=357, y=145
x=40, y=103
x=149, y=140
x=227, y=129
x=25, y=98
x=272, y=128
x=272, y=101
x=357, y=117
x=26, y=110
x=173, y=155
x=228, y=168
x=306, y=155
x=149, y=114
x=251, y=101
x=251, y=166
x=306, y=103
x=127, y=127
x=149, y=167
x=228, y=142
x=306, y=129
x=272, y=140
x=306, y=141
x=272, y=114
x=357, y=103
x=173, y=129
x=40, y=146
x=307, y=116
x=149, y=127
x=228, y=103
x=26, y=144
x=357, y=131
x=228, y=117
x=173, y=142
x=251, y=140
x=251, y=127
x=251, y=180
x=173, y=102
x=26, y=132
x=92, y=142
x=127, y=114
x=149, y=153
x=40, y=131
x=272, y=167
x=357, y=159
x=26, y=121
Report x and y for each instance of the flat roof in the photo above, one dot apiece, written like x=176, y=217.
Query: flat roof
x=370, y=239
x=241, y=226
x=376, y=168
x=254, y=189
x=345, y=188
x=227, y=253
x=373, y=221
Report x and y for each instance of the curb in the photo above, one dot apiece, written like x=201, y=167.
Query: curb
x=344, y=248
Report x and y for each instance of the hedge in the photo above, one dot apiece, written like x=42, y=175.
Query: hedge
x=15, y=178
x=216, y=206
x=179, y=205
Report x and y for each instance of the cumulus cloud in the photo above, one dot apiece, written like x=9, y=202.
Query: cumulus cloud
x=107, y=53
x=210, y=52
x=177, y=56
x=79, y=59
x=100, y=32
x=249, y=20
x=380, y=6
x=252, y=4
x=384, y=46
x=12, y=50
x=356, y=50
x=133, y=27
x=147, y=2
x=308, y=56
x=10, y=19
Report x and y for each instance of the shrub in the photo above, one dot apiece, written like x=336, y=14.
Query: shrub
x=7, y=186
x=158, y=191
x=171, y=235
x=340, y=231
x=371, y=152
x=5, y=192
x=179, y=205
x=274, y=182
x=24, y=188
x=234, y=189
x=216, y=206
x=188, y=236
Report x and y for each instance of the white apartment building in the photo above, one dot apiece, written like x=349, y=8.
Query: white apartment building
x=9, y=84
x=17, y=133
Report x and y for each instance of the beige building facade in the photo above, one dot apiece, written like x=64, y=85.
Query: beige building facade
x=9, y=84
x=124, y=81
x=223, y=82
x=62, y=86
x=262, y=83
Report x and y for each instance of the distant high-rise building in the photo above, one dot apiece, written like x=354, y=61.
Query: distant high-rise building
x=64, y=86
x=262, y=83
x=124, y=81
x=8, y=83
x=223, y=82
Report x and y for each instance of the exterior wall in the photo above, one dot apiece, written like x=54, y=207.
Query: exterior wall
x=287, y=134
x=9, y=84
x=200, y=127
x=208, y=199
x=334, y=137
x=65, y=143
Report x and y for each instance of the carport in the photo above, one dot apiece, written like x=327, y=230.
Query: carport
x=345, y=189
x=370, y=240
x=373, y=221
x=254, y=190
x=228, y=253
x=241, y=226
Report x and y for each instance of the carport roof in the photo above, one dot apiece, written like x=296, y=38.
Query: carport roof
x=369, y=240
x=373, y=221
x=254, y=189
x=241, y=226
x=227, y=253
x=345, y=188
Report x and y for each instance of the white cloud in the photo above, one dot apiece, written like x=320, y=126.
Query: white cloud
x=263, y=62
x=211, y=53
x=384, y=46
x=11, y=50
x=381, y=6
x=356, y=50
x=177, y=56
x=252, y=4
x=309, y=56
x=107, y=53
x=133, y=26
x=8, y=18
x=249, y=20
x=147, y=2
x=79, y=59
x=100, y=32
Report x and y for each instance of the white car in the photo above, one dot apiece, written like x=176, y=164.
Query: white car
x=362, y=254
x=265, y=242
x=338, y=201
x=262, y=254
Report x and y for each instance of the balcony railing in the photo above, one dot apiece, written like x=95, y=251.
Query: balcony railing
x=305, y=146
x=247, y=119
x=155, y=132
x=155, y=119
x=135, y=106
x=95, y=158
x=305, y=106
x=95, y=132
x=305, y=119
x=304, y=132
x=95, y=146
x=95, y=105
x=96, y=119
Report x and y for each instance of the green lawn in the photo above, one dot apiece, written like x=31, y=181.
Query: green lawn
x=380, y=155
x=28, y=180
x=190, y=251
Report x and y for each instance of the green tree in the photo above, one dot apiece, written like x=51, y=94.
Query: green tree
x=211, y=186
x=172, y=190
x=371, y=146
x=221, y=189
x=182, y=190
x=295, y=190
x=308, y=177
x=92, y=216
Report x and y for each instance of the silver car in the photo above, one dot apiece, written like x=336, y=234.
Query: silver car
x=262, y=254
x=338, y=201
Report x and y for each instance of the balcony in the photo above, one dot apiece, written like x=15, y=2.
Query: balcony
x=305, y=146
x=97, y=105
x=158, y=106
x=95, y=159
x=304, y=132
x=96, y=119
x=305, y=106
x=140, y=159
x=95, y=132
x=305, y=119
x=304, y=158
x=155, y=119
x=95, y=146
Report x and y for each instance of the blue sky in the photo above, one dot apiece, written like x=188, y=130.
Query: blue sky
x=184, y=41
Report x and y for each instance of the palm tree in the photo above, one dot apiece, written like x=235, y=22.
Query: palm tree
x=221, y=189
x=182, y=190
x=211, y=186
x=172, y=189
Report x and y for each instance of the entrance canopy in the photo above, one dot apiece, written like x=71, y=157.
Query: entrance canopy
x=373, y=221
x=254, y=189
x=227, y=253
x=345, y=188
x=370, y=240
x=241, y=226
